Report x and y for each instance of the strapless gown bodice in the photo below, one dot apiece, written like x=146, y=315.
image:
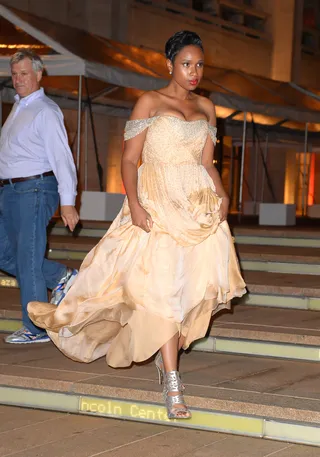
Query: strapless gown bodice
x=171, y=140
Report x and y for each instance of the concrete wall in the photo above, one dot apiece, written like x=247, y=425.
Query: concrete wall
x=96, y=16
x=309, y=71
x=276, y=165
x=137, y=25
x=116, y=19
x=317, y=180
x=109, y=134
x=223, y=49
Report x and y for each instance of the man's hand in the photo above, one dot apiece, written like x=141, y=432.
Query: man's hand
x=69, y=216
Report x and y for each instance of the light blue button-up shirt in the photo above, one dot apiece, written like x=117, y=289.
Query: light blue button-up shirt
x=34, y=140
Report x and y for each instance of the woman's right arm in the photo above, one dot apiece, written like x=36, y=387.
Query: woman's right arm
x=130, y=158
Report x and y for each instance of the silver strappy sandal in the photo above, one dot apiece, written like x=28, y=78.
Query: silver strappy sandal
x=176, y=407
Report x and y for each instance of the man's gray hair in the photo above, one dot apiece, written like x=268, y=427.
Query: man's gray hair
x=37, y=63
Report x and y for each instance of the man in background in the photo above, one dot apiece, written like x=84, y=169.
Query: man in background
x=36, y=167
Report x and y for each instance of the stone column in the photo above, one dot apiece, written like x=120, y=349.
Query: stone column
x=283, y=21
x=285, y=27
x=120, y=12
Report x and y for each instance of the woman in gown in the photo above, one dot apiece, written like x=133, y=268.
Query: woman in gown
x=167, y=263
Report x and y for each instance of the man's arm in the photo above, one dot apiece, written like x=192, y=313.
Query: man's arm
x=60, y=158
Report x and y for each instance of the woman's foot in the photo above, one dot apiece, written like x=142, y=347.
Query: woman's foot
x=176, y=407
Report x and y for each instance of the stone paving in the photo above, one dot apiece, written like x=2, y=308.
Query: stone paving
x=33, y=433
x=256, y=386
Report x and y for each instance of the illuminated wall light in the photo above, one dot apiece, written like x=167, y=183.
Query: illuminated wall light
x=312, y=178
x=223, y=112
x=290, y=178
x=257, y=118
x=22, y=46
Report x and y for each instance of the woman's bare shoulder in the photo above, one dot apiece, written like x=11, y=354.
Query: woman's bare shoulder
x=206, y=105
x=145, y=105
x=205, y=102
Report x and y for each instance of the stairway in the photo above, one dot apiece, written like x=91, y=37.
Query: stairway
x=279, y=279
x=254, y=374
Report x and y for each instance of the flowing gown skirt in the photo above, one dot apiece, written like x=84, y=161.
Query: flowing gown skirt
x=136, y=290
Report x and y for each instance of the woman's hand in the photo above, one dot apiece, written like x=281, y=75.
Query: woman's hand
x=141, y=218
x=224, y=209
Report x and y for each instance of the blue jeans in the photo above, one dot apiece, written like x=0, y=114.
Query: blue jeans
x=25, y=211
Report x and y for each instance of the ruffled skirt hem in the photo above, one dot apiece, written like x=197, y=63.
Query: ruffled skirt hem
x=124, y=335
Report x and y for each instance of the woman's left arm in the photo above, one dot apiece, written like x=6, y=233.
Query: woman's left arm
x=207, y=162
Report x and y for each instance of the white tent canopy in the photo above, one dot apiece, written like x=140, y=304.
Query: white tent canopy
x=66, y=63
x=78, y=53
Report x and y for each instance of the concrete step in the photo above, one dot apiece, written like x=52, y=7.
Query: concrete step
x=274, y=259
x=90, y=229
x=282, y=290
x=253, y=257
x=276, y=290
x=257, y=235
x=266, y=332
x=264, y=398
x=272, y=236
x=9, y=282
x=280, y=259
x=10, y=310
x=249, y=330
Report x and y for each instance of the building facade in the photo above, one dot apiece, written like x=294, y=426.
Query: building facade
x=276, y=39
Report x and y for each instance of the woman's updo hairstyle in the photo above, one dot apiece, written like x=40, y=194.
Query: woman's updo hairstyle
x=180, y=40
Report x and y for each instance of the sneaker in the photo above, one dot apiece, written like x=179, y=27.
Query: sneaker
x=64, y=285
x=24, y=336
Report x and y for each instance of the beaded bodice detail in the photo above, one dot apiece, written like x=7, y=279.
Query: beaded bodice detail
x=173, y=185
x=170, y=139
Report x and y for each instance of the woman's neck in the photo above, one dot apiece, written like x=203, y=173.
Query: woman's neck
x=176, y=91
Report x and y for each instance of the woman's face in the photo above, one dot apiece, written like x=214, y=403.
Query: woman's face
x=187, y=69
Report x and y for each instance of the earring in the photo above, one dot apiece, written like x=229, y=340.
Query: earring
x=170, y=72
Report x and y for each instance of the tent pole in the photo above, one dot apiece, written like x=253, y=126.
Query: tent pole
x=304, y=180
x=231, y=172
x=242, y=163
x=86, y=148
x=79, y=121
x=256, y=160
x=266, y=150
x=0, y=110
